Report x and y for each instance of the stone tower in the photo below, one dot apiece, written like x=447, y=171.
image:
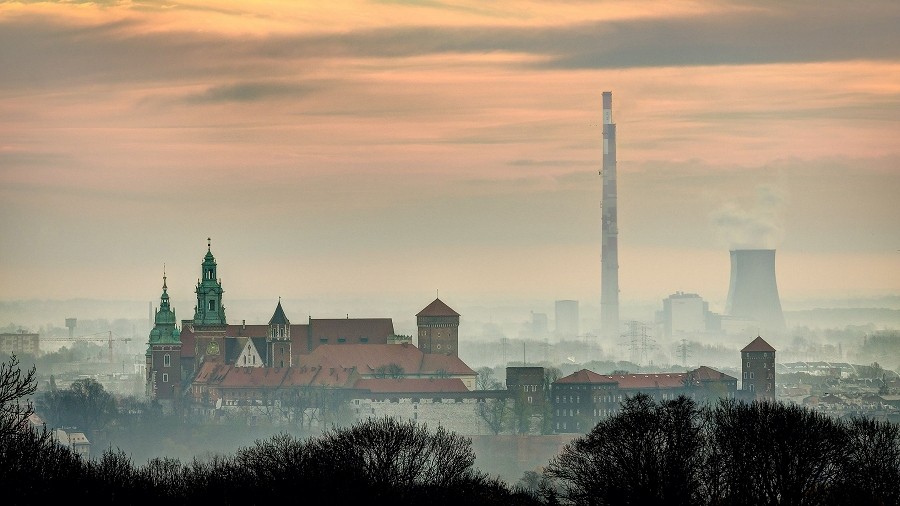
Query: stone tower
x=209, y=309
x=758, y=367
x=163, y=358
x=438, y=329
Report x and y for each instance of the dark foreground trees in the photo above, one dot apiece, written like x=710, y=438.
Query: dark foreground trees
x=377, y=461
x=730, y=453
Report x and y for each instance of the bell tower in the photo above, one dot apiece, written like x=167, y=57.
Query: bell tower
x=163, y=358
x=209, y=309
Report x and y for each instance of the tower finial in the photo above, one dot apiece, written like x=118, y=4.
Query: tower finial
x=209, y=244
x=164, y=275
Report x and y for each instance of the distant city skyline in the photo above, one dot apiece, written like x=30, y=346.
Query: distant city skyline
x=385, y=150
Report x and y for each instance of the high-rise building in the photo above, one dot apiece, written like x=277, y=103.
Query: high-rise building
x=566, y=319
x=683, y=314
x=609, y=248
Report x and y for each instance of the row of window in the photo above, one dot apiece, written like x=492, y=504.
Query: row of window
x=603, y=398
x=324, y=340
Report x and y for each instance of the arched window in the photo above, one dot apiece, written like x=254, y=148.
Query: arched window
x=167, y=360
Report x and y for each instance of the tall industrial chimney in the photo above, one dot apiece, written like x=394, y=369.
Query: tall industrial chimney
x=753, y=292
x=609, y=249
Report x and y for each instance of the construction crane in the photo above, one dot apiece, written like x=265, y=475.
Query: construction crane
x=91, y=338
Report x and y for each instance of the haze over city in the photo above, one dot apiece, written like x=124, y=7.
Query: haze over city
x=382, y=151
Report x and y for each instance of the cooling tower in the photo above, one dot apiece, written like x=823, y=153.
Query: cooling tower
x=752, y=292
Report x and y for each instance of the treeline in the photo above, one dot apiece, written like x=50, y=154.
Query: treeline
x=378, y=460
x=729, y=453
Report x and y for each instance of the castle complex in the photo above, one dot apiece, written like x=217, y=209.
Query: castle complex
x=326, y=371
x=212, y=362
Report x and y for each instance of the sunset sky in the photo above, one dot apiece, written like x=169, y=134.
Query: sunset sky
x=390, y=149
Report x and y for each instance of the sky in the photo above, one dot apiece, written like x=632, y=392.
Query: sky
x=392, y=149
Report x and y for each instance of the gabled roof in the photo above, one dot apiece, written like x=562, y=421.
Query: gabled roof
x=758, y=344
x=585, y=376
x=437, y=308
x=278, y=318
x=411, y=385
x=645, y=381
x=704, y=373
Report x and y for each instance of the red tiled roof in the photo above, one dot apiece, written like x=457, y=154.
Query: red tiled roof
x=211, y=372
x=338, y=377
x=661, y=380
x=434, y=362
x=411, y=385
x=365, y=358
x=585, y=376
x=437, y=308
x=301, y=376
x=758, y=344
x=376, y=329
x=627, y=381
x=704, y=373
x=254, y=377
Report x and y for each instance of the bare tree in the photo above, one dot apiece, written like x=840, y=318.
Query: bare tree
x=772, y=453
x=485, y=378
x=871, y=470
x=15, y=385
x=646, y=454
x=495, y=412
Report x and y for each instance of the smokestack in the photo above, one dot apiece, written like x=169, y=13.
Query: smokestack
x=752, y=292
x=609, y=249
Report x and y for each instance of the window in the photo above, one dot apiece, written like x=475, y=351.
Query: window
x=165, y=377
x=167, y=360
x=212, y=305
x=751, y=374
x=745, y=374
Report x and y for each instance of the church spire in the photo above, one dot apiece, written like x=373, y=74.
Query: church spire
x=209, y=309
